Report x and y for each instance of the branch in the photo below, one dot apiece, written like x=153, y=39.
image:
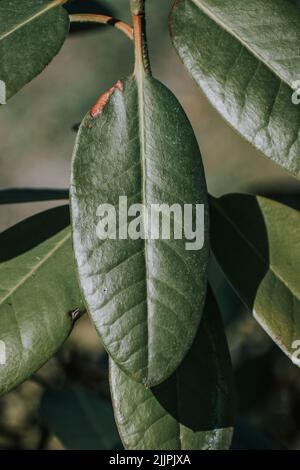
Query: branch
x=142, y=62
x=103, y=19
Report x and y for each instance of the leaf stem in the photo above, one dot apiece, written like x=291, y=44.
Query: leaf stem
x=142, y=63
x=103, y=19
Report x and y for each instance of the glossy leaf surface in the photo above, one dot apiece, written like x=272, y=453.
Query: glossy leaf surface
x=245, y=57
x=31, y=34
x=38, y=291
x=192, y=410
x=259, y=253
x=145, y=296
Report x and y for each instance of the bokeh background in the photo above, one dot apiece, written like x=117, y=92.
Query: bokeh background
x=53, y=409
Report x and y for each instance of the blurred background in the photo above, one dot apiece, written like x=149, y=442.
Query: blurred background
x=56, y=409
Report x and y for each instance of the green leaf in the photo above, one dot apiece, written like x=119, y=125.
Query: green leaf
x=258, y=251
x=38, y=292
x=20, y=195
x=192, y=410
x=145, y=296
x=31, y=34
x=80, y=419
x=245, y=57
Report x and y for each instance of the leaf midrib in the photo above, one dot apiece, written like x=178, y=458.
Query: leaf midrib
x=270, y=266
x=43, y=10
x=140, y=80
x=222, y=25
x=35, y=268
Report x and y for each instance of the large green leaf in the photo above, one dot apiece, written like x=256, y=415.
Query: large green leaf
x=256, y=241
x=80, y=419
x=145, y=296
x=192, y=410
x=245, y=57
x=38, y=292
x=31, y=34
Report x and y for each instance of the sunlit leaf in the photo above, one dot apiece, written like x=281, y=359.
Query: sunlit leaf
x=38, y=293
x=145, y=296
x=31, y=34
x=245, y=57
x=256, y=241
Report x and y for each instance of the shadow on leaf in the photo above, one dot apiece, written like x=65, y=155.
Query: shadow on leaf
x=240, y=242
x=199, y=395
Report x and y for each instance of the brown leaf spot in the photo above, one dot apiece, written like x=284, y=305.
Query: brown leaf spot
x=104, y=99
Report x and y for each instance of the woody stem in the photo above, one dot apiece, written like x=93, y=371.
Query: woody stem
x=142, y=62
